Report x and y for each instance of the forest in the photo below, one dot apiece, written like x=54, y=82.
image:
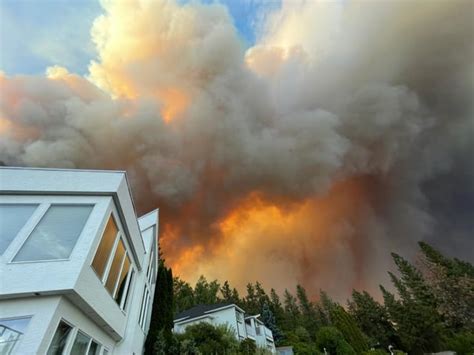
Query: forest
x=430, y=309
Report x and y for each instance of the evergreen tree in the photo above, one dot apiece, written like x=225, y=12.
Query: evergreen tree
x=276, y=306
x=372, y=318
x=349, y=329
x=183, y=295
x=261, y=296
x=452, y=281
x=308, y=312
x=419, y=325
x=226, y=292
x=251, y=300
x=161, y=321
x=326, y=306
x=205, y=292
x=269, y=320
x=292, y=313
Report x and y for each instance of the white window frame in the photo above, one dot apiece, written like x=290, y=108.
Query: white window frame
x=44, y=208
x=119, y=237
x=72, y=338
x=44, y=202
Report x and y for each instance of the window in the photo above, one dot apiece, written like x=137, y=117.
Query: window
x=105, y=247
x=60, y=339
x=114, y=266
x=151, y=267
x=122, y=282
x=11, y=331
x=144, y=308
x=12, y=219
x=82, y=344
x=56, y=234
x=127, y=293
x=94, y=348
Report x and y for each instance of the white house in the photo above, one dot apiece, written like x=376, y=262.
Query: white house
x=77, y=268
x=231, y=315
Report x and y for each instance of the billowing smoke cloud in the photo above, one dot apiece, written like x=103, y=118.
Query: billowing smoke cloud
x=306, y=158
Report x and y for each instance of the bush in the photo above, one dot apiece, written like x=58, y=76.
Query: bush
x=247, y=347
x=331, y=339
x=376, y=352
x=462, y=343
x=209, y=339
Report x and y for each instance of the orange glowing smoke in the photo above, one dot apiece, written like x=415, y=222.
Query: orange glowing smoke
x=174, y=102
x=281, y=242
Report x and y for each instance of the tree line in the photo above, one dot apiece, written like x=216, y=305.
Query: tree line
x=432, y=309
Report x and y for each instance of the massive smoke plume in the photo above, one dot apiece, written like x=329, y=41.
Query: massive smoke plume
x=344, y=133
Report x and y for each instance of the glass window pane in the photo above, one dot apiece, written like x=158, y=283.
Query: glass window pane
x=56, y=234
x=105, y=247
x=127, y=292
x=11, y=331
x=80, y=344
x=115, y=268
x=94, y=349
x=60, y=339
x=12, y=219
x=123, y=279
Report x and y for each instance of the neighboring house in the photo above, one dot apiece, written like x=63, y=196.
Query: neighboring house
x=231, y=315
x=285, y=350
x=77, y=268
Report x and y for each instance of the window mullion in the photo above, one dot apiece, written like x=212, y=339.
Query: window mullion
x=111, y=258
x=26, y=230
x=126, y=291
x=119, y=274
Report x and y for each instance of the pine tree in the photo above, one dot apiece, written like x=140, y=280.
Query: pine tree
x=161, y=320
x=260, y=296
x=205, y=292
x=419, y=325
x=308, y=312
x=452, y=281
x=226, y=292
x=183, y=295
x=292, y=313
x=373, y=319
x=251, y=301
x=348, y=327
x=276, y=307
x=269, y=320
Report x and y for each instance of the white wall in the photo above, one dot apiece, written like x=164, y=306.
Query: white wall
x=41, y=310
x=75, y=317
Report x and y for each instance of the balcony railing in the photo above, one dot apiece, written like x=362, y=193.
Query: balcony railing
x=250, y=331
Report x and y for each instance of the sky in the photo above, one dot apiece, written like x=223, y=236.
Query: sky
x=37, y=34
x=285, y=142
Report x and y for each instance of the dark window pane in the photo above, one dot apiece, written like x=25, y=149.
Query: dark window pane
x=60, y=339
x=123, y=280
x=105, y=247
x=127, y=292
x=56, y=234
x=94, y=349
x=115, y=268
x=12, y=219
x=80, y=344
